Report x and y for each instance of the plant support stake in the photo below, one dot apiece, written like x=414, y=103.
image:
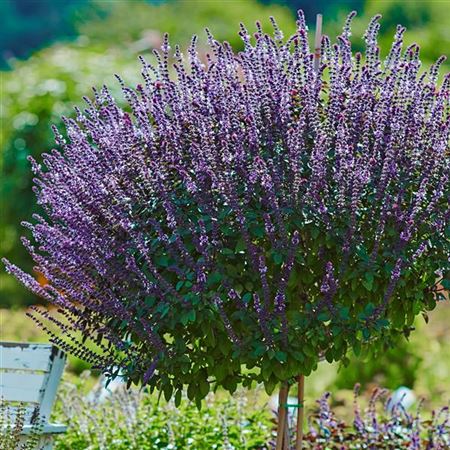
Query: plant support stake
x=300, y=411
x=282, y=412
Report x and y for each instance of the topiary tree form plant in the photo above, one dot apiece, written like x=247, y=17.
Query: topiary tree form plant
x=247, y=215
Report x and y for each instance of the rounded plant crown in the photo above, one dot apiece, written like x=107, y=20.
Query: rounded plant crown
x=248, y=214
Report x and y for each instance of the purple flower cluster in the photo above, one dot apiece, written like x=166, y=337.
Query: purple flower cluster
x=239, y=196
x=392, y=428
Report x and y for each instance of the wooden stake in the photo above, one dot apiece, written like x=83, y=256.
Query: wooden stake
x=317, y=42
x=300, y=412
x=282, y=410
x=287, y=439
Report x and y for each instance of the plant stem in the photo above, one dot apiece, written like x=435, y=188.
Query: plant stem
x=282, y=410
x=300, y=412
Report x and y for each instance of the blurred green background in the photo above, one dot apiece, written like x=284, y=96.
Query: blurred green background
x=52, y=52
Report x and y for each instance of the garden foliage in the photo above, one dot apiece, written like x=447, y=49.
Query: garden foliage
x=247, y=216
x=132, y=420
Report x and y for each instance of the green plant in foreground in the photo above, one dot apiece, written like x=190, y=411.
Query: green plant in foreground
x=134, y=420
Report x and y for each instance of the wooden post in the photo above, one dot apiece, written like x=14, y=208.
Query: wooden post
x=300, y=412
x=317, y=42
x=287, y=440
x=282, y=410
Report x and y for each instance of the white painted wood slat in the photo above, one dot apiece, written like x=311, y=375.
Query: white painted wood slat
x=21, y=387
x=30, y=373
x=52, y=381
x=35, y=357
x=28, y=412
x=48, y=428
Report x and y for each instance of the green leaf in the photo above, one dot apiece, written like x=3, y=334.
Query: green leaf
x=240, y=246
x=163, y=309
x=260, y=349
x=162, y=261
x=191, y=315
x=315, y=232
x=266, y=370
x=280, y=370
x=203, y=387
x=249, y=286
x=178, y=398
x=192, y=391
x=281, y=356
x=184, y=319
x=220, y=372
x=368, y=281
x=369, y=309
x=210, y=338
x=270, y=384
x=329, y=355
x=258, y=231
x=366, y=333
x=168, y=389
x=324, y=316
x=230, y=384
x=277, y=258
x=344, y=313
x=362, y=253
x=382, y=323
x=298, y=356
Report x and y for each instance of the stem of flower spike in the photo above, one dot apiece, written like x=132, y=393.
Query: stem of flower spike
x=282, y=412
x=300, y=412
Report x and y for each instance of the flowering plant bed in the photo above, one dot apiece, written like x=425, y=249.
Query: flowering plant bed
x=135, y=420
x=393, y=428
